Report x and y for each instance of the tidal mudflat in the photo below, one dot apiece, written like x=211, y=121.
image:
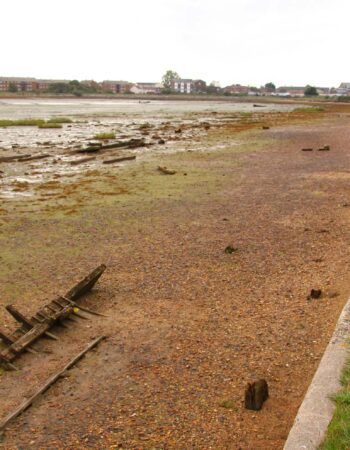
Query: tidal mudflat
x=189, y=325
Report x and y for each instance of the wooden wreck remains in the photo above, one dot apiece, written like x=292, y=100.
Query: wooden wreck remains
x=52, y=313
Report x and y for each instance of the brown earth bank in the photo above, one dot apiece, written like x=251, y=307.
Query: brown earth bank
x=188, y=325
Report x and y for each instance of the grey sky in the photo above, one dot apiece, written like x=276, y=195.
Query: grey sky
x=238, y=41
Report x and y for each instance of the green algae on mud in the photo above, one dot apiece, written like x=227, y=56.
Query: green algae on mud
x=60, y=226
x=62, y=216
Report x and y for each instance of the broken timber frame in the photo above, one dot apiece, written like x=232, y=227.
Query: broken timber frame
x=31, y=329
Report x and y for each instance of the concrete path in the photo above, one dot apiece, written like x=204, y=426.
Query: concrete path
x=316, y=411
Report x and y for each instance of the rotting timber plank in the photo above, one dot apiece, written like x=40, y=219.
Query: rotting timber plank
x=36, y=331
x=86, y=284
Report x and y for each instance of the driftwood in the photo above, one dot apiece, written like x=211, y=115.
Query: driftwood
x=82, y=160
x=255, y=395
x=32, y=158
x=89, y=149
x=49, y=383
x=131, y=143
x=166, y=171
x=14, y=157
x=325, y=148
x=120, y=159
x=54, y=312
x=307, y=149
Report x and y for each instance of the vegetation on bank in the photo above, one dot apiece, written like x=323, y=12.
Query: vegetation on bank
x=59, y=120
x=54, y=122
x=310, y=109
x=50, y=125
x=21, y=122
x=344, y=98
x=104, y=136
x=338, y=434
x=74, y=87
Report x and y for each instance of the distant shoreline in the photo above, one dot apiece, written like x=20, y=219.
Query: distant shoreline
x=161, y=97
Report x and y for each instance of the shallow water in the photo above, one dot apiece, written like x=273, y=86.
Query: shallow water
x=45, y=108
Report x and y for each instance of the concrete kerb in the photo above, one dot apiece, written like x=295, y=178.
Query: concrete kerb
x=316, y=411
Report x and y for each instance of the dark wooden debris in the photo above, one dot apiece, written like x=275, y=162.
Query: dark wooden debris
x=120, y=159
x=255, y=395
x=82, y=160
x=314, y=294
x=325, y=148
x=131, y=143
x=14, y=158
x=166, y=171
x=31, y=329
x=33, y=158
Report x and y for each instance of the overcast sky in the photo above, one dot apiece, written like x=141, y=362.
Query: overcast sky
x=232, y=41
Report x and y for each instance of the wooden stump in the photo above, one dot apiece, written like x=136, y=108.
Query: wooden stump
x=255, y=395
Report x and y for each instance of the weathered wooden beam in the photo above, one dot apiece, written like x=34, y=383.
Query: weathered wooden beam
x=120, y=159
x=33, y=158
x=78, y=314
x=5, y=362
x=49, y=383
x=83, y=308
x=86, y=284
x=19, y=316
x=10, y=340
x=14, y=157
x=82, y=160
x=51, y=336
x=6, y=338
x=28, y=338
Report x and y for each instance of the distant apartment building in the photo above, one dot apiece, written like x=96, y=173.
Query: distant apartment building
x=293, y=91
x=343, y=89
x=44, y=85
x=236, y=89
x=26, y=84
x=116, y=87
x=19, y=84
x=188, y=86
x=146, y=88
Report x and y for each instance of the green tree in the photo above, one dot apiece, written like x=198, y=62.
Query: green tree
x=270, y=87
x=169, y=77
x=212, y=89
x=13, y=87
x=59, y=88
x=310, y=91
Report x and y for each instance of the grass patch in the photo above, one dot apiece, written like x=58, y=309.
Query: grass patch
x=21, y=122
x=104, y=136
x=228, y=404
x=59, y=120
x=53, y=122
x=338, y=433
x=309, y=109
x=50, y=125
x=246, y=115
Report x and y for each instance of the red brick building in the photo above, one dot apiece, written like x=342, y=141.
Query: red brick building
x=237, y=89
x=116, y=87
